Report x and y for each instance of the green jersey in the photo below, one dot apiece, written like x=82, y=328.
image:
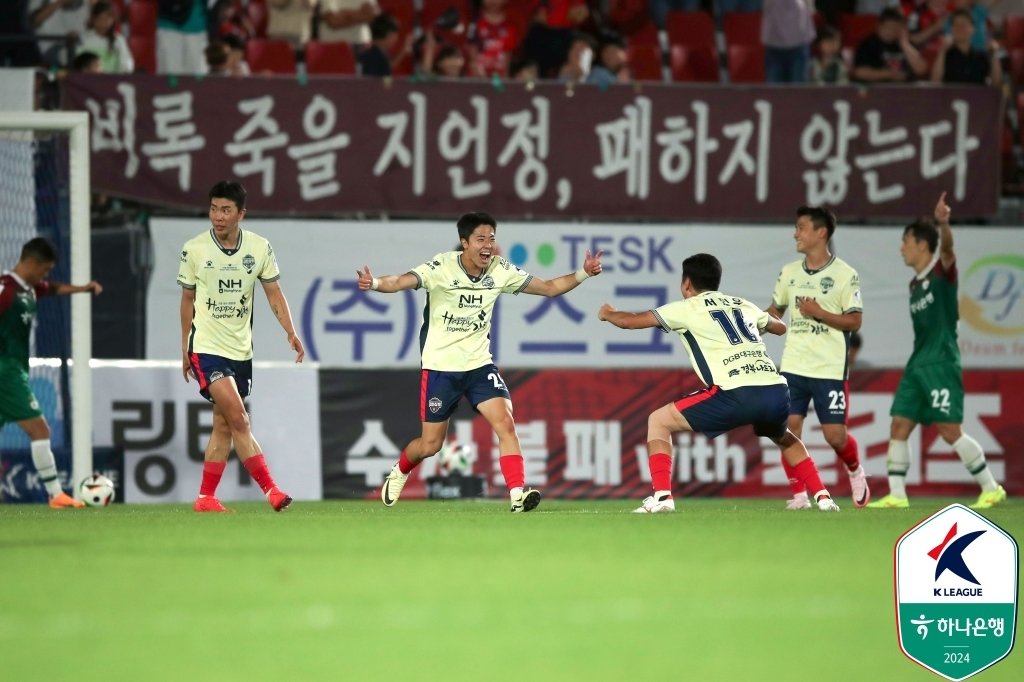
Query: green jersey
x=17, y=312
x=935, y=314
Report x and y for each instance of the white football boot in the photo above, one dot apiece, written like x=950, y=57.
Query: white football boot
x=392, y=488
x=661, y=504
x=524, y=500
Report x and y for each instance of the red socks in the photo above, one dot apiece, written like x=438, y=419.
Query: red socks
x=807, y=473
x=513, y=469
x=404, y=465
x=257, y=467
x=661, y=470
x=212, y=471
x=796, y=486
x=849, y=453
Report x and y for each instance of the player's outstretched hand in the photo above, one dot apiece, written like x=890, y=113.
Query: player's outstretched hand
x=365, y=278
x=296, y=343
x=603, y=313
x=95, y=287
x=942, y=210
x=592, y=264
x=186, y=368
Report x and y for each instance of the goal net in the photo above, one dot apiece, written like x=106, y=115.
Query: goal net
x=44, y=191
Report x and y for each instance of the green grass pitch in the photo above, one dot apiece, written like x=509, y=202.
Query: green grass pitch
x=351, y=590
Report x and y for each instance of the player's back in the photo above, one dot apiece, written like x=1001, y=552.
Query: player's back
x=721, y=335
x=17, y=312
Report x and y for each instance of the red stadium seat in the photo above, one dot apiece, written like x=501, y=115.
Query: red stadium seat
x=856, y=27
x=644, y=34
x=1013, y=32
x=746, y=63
x=742, y=28
x=628, y=16
x=645, y=62
x=692, y=29
x=1016, y=66
x=330, y=58
x=143, y=49
x=694, y=64
x=276, y=56
x=142, y=18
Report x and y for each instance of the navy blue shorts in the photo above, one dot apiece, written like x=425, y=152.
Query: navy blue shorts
x=829, y=396
x=209, y=368
x=440, y=391
x=712, y=411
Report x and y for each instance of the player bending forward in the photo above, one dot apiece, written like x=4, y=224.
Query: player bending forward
x=462, y=288
x=742, y=385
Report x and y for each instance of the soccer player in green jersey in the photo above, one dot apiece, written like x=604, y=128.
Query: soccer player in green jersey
x=742, y=387
x=20, y=290
x=218, y=274
x=932, y=388
x=822, y=293
x=462, y=288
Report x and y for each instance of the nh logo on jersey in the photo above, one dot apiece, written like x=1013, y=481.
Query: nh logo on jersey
x=956, y=592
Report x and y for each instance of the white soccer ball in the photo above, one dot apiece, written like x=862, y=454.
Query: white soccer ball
x=97, y=490
x=454, y=458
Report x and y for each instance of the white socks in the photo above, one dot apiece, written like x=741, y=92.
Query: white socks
x=42, y=458
x=898, y=462
x=970, y=453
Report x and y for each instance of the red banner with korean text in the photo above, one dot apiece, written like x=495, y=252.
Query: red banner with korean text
x=583, y=435
x=338, y=145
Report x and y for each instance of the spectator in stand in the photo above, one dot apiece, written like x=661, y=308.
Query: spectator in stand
x=376, y=60
x=787, y=31
x=961, y=62
x=578, y=63
x=524, y=71
x=237, y=64
x=659, y=9
x=829, y=67
x=553, y=32
x=57, y=18
x=16, y=47
x=494, y=37
x=87, y=62
x=978, y=9
x=290, y=20
x=723, y=7
x=227, y=19
x=102, y=39
x=181, y=36
x=612, y=64
x=886, y=56
x=875, y=6
x=449, y=62
x=217, y=53
x=925, y=20
x=347, y=20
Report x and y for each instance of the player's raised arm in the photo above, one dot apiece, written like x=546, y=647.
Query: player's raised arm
x=279, y=304
x=624, y=320
x=560, y=285
x=942, y=213
x=388, y=284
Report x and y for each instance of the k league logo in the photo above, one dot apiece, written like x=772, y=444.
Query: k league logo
x=956, y=592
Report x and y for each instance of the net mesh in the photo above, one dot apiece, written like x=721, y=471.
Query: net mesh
x=34, y=201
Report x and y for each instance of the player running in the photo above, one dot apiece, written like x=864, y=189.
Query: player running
x=20, y=290
x=742, y=385
x=220, y=268
x=462, y=288
x=822, y=293
x=932, y=388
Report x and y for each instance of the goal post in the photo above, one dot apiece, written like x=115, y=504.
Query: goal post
x=75, y=124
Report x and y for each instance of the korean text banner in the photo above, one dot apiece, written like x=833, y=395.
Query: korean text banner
x=584, y=433
x=344, y=327
x=327, y=146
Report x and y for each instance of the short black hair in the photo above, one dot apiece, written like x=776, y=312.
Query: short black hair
x=820, y=217
x=40, y=249
x=891, y=14
x=924, y=230
x=229, y=189
x=827, y=32
x=704, y=271
x=470, y=221
x=962, y=13
x=83, y=60
x=383, y=25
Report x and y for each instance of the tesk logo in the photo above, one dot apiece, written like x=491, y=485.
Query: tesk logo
x=956, y=592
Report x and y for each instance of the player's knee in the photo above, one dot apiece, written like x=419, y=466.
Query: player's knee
x=837, y=441
x=658, y=428
x=238, y=422
x=900, y=429
x=950, y=432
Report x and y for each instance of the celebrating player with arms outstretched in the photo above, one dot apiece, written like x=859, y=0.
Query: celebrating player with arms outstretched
x=220, y=268
x=932, y=388
x=742, y=386
x=462, y=288
x=20, y=290
x=822, y=293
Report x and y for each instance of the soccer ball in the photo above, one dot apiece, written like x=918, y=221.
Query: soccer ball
x=454, y=459
x=97, y=490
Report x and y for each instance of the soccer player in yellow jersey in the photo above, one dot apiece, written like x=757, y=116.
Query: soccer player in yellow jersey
x=721, y=333
x=462, y=288
x=20, y=290
x=218, y=274
x=822, y=294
